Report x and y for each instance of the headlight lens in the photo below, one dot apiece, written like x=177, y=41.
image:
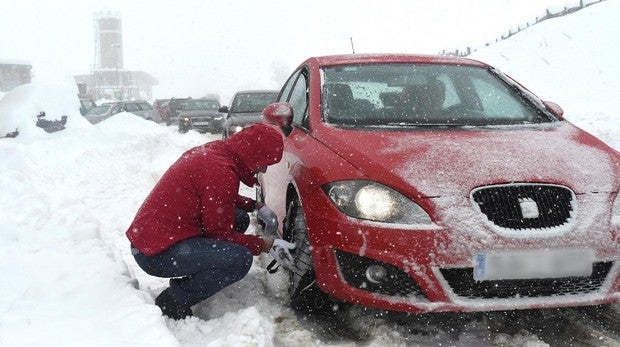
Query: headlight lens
x=373, y=201
x=615, y=211
x=235, y=129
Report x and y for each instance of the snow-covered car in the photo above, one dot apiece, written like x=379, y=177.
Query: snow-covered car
x=86, y=105
x=432, y=183
x=108, y=109
x=201, y=115
x=245, y=109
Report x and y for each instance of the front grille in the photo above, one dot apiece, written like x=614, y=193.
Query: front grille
x=503, y=205
x=353, y=268
x=463, y=284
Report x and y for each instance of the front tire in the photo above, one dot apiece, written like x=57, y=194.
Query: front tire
x=304, y=291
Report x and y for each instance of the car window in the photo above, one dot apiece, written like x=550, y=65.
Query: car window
x=496, y=101
x=286, y=90
x=145, y=106
x=87, y=103
x=419, y=94
x=251, y=102
x=212, y=105
x=116, y=109
x=99, y=110
x=299, y=100
x=132, y=107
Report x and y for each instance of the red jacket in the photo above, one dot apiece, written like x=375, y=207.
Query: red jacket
x=198, y=194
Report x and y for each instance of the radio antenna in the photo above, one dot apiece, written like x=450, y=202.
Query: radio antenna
x=352, y=47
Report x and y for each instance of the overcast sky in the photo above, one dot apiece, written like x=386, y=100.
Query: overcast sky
x=195, y=47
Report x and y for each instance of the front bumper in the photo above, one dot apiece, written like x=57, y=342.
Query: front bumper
x=202, y=124
x=431, y=269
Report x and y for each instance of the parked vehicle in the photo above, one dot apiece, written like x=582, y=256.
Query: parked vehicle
x=108, y=109
x=245, y=109
x=173, y=110
x=201, y=115
x=86, y=105
x=432, y=183
x=160, y=106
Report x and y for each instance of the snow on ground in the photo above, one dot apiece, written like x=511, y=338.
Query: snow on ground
x=68, y=197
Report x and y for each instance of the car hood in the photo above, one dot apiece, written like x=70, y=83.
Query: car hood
x=445, y=162
x=244, y=118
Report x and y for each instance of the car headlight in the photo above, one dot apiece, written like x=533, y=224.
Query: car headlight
x=373, y=201
x=615, y=211
x=235, y=128
x=185, y=119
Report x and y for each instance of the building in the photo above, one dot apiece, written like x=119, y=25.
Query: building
x=14, y=73
x=108, y=78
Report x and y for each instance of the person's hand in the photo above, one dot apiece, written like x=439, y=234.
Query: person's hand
x=269, y=218
x=281, y=252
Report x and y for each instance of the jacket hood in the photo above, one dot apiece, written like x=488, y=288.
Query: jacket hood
x=444, y=163
x=253, y=147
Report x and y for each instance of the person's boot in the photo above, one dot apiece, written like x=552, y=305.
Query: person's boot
x=171, y=307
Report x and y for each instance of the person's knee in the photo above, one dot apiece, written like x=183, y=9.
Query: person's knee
x=242, y=263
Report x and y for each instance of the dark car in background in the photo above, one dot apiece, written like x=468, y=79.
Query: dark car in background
x=201, y=115
x=108, y=109
x=245, y=109
x=171, y=115
x=86, y=105
x=432, y=183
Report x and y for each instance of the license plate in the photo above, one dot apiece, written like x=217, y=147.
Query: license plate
x=201, y=123
x=532, y=264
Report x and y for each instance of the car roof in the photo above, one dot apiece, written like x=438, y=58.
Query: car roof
x=257, y=91
x=123, y=102
x=349, y=59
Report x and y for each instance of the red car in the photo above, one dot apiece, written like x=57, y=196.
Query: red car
x=161, y=109
x=430, y=183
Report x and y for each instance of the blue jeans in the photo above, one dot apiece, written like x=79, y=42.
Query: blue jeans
x=200, y=267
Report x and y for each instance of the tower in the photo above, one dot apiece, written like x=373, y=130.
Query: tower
x=108, y=40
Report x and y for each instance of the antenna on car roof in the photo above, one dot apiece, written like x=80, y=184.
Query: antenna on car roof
x=352, y=47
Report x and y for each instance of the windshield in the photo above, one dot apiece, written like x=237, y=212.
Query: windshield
x=99, y=110
x=252, y=102
x=211, y=105
x=423, y=94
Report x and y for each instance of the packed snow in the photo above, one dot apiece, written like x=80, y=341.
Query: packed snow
x=67, y=198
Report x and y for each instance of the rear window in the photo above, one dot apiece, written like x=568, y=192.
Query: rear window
x=145, y=106
x=252, y=102
x=99, y=110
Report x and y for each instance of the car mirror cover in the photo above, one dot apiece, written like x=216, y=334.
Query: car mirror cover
x=279, y=113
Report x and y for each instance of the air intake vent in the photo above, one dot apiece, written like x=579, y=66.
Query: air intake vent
x=463, y=284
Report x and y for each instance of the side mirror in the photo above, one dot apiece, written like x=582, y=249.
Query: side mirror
x=554, y=108
x=223, y=109
x=279, y=113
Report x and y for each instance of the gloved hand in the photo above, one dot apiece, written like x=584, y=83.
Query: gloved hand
x=281, y=252
x=269, y=218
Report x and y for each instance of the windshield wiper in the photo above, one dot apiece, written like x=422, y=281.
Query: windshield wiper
x=408, y=124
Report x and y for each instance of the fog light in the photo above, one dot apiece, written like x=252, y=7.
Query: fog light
x=376, y=273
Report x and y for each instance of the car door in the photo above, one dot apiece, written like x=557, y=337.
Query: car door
x=146, y=111
x=134, y=108
x=277, y=178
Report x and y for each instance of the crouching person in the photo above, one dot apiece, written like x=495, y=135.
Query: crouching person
x=191, y=226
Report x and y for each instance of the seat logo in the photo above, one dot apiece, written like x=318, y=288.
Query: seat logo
x=529, y=208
